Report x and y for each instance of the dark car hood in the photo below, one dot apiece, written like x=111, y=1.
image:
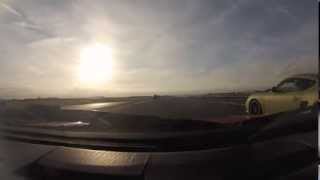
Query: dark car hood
x=102, y=122
x=66, y=146
x=100, y=130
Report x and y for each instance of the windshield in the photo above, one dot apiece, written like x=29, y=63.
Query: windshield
x=168, y=59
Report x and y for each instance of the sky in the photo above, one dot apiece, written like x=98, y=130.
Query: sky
x=158, y=46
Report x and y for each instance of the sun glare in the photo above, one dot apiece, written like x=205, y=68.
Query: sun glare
x=95, y=65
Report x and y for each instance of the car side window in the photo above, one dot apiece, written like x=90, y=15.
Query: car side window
x=304, y=83
x=295, y=84
x=288, y=86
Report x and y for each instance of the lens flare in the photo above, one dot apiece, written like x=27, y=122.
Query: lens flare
x=95, y=65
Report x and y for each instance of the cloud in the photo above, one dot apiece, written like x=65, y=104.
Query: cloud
x=159, y=46
x=10, y=9
x=24, y=21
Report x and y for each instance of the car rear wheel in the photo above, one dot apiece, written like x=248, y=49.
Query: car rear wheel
x=255, y=107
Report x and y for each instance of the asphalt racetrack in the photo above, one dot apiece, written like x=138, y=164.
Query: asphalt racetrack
x=172, y=107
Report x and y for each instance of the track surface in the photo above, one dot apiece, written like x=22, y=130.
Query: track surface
x=172, y=107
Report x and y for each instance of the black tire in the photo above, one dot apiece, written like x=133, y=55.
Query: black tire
x=255, y=107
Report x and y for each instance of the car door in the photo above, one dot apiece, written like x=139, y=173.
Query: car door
x=286, y=96
x=308, y=94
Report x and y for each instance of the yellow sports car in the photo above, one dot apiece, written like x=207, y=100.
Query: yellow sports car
x=296, y=92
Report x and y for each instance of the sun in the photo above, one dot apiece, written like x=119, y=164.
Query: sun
x=96, y=65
